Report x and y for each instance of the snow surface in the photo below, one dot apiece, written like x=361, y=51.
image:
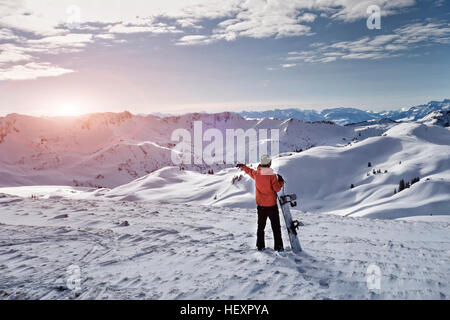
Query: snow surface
x=182, y=251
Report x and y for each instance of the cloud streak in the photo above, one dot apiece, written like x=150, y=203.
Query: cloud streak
x=32, y=71
x=395, y=44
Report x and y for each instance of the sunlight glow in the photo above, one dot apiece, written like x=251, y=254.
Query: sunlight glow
x=69, y=110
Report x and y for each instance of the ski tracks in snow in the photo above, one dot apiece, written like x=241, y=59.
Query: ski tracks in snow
x=179, y=251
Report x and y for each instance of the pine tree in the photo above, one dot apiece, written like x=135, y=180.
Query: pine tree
x=401, y=185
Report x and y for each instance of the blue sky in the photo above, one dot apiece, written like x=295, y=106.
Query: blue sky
x=60, y=57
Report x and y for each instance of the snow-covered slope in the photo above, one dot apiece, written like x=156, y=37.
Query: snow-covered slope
x=372, y=128
x=322, y=178
x=438, y=118
x=344, y=116
x=153, y=250
x=111, y=149
x=417, y=112
x=340, y=116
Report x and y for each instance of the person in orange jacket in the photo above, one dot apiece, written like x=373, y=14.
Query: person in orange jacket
x=267, y=184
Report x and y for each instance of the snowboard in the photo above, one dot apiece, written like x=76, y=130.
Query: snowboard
x=287, y=201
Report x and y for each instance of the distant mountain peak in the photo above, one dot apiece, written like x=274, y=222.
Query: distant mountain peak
x=344, y=115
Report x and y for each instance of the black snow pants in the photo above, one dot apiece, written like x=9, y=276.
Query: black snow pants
x=273, y=215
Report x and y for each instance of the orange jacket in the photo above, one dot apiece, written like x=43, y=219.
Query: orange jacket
x=267, y=185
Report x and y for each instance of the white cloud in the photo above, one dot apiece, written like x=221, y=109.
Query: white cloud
x=352, y=10
x=271, y=18
x=105, y=36
x=288, y=65
x=395, y=47
x=383, y=39
x=188, y=23
x=420, y=32
x=307, y=17
x=18, y=60
x=10, y=53
x=154, y=28
x=365, y=55
x=32, y=23
x=262, y=19
x=31, y=70
x=72, y=40
x=328, y=59
x=378, y=47
x=8, y=35
x=194, y=40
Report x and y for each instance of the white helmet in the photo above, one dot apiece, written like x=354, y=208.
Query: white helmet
x=265, y=160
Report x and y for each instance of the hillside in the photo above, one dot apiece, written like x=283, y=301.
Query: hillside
x=322, y=178
x=438, y=118
x=111, y=149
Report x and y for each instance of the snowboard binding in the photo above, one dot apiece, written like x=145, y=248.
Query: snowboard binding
x=289, y=198
x=295, y=225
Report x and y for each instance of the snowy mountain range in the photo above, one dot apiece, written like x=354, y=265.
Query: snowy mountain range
x=110, y=149
x=130, y=155
x=100, y=192
x=344, y=116
x=329, y=179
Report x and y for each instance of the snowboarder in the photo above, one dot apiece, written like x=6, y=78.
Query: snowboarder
x=267, y=184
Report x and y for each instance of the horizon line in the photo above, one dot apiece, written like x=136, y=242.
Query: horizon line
x=179, y=113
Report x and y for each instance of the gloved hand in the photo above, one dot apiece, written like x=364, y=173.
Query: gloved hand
x=280, y=178
x=240, y=165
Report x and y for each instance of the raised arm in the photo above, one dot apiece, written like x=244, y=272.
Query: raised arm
x=247, y=170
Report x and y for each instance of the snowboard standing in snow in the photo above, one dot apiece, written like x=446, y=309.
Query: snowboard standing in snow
x=287, y=201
